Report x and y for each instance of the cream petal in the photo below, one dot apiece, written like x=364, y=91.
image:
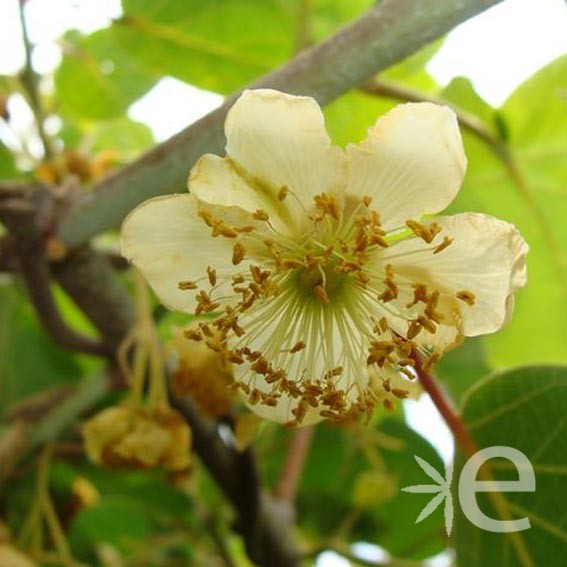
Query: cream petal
x=280, y=140
x=412, y=162
x=486, y=257
x=167, y=240
x=220, y=182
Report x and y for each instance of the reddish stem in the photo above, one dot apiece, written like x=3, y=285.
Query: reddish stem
x=293, y=466
x=445, y=408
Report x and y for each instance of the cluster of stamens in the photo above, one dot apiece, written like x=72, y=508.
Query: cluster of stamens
x=334, y=258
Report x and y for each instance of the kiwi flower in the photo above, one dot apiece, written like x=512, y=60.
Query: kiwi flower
x=321, y=267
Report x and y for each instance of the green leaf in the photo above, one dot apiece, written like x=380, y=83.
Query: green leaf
x=536, y=202
x=203, y=44
x=338, y=459
x=349, y=117
x=523, y=409
x=29, y=361
x=118, y=520
x=97, y=78
x=7, y=165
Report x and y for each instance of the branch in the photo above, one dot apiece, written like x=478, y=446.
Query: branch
x=21, y=211
x=261, y=521
x=384, y=35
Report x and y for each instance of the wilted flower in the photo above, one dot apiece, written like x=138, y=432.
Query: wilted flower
x=120, y=437
x=202, y=370
x=319, y=263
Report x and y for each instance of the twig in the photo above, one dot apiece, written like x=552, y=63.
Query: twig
x=297, y=452
x=267, y=539
x=30, y=82
x=20, y=215
x=386, y=34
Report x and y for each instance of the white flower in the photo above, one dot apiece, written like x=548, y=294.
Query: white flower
x=319, y=261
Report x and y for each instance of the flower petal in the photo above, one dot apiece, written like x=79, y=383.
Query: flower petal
x=218, y=181
x=167, y=240
x=486, y=257
x=412, y=163
x=279, y=140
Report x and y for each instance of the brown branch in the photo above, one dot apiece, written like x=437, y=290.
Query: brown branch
x=292, y=469
x=262, y=522
x=21, y=214
x=387, y=33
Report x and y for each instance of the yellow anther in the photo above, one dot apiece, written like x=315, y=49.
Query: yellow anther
x=300, y=345
x=184, y=286
x=446, y=243
x=427, y=324
x=212, y=275
x=238, y=253
x=260, y=215
x=328, y=205
x=424, y=232
x=414, y=328
x=399, y=393
x=467, y=296
x=367, y=199
x=282, y=193
x=321, y=292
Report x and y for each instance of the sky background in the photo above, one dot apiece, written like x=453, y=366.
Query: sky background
x=497, y=50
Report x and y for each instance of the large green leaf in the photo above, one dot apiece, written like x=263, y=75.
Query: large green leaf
x=523, y=409
x=203, y=43
x=535, y=123
x=97, y=78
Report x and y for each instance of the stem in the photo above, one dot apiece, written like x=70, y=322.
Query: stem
x=290, y=475
x=446, y=408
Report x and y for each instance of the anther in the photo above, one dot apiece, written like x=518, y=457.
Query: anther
x=467, y=296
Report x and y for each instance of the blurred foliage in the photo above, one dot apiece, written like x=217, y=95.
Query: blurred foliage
x=350, y=487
